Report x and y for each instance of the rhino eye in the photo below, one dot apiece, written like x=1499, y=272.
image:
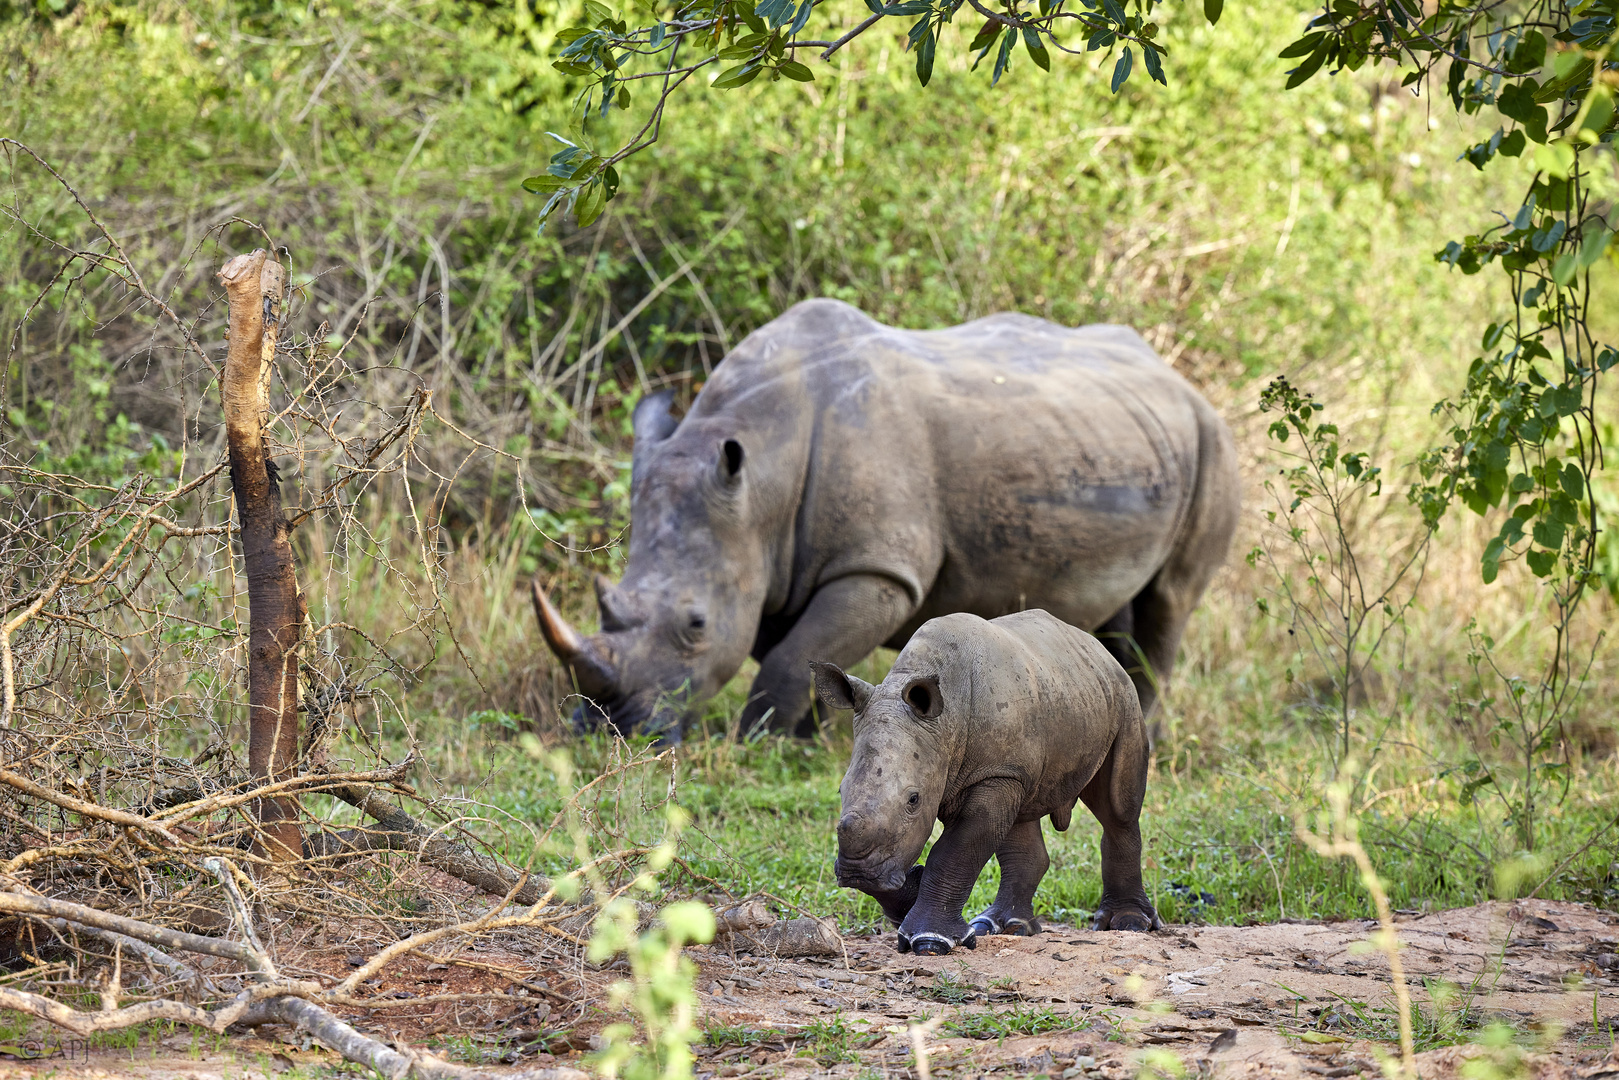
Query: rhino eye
x=915, y=798
x=697, y=622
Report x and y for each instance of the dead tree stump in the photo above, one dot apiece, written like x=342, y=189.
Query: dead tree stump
x=253, y=286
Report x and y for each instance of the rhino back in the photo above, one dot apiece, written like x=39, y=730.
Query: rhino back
x=1001, y=464
x=1032, y=697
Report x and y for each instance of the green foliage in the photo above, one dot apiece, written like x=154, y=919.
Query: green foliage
x=1001, y=1023
x=662, y=993
x=950, y=988
x=667, y=44
x=834, y=1042
x=719, y=1035
x=1520, y=746
x=1451, y=1017
x=1523, y=431
x=1345, y=603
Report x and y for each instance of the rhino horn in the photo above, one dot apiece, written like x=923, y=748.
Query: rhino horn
x=595, y=674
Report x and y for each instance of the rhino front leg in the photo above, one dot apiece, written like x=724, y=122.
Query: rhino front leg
x=1024, y=862
x=1114, y=795
x=934, y=925
x=845, y=620
x=898, y=904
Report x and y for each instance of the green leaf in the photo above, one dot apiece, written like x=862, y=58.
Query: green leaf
x=795, y=71
x=1304, y=46
x=1573, y=481
x=1594, y=245
x=598, y=13
x=1555, y=158
x=924, y=57
x=1037, y=50
x=1549, y=534
x=1155, y=67
x=775, y=12
x=1541, y=562
x=1121, y=70
x=541, y=184
x=1599, y=115
x=741, y=75
x=1530, y=53
x=688, y=921
x=1564, y=63
x=590, y=204
x=1003, y=56
x=801, y=18
x=1490, y=564
x=986, y=35
x=1513, y=144
x=1212, y=10
x=1311, y=65
x=1564, y=269
x=909, y=7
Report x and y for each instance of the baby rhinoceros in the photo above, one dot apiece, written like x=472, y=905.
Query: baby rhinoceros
x=988, y=727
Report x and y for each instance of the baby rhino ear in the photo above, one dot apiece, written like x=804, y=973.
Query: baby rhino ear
x=838, y=690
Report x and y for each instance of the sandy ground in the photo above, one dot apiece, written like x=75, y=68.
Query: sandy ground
x=1201, y=1001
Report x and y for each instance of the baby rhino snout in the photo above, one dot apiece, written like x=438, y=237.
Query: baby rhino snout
x=856, y=837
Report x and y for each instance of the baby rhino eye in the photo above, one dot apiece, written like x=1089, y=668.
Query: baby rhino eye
x=915, y=799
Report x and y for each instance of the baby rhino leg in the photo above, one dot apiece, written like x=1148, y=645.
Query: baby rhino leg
x=934, y=925
x=1114, y=795
x=1023, y=860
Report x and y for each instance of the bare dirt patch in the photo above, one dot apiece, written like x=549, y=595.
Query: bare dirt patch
x=1286, y=999
x=1276, y=999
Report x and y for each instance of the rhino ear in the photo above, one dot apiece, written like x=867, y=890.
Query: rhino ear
x=838, y=690
x=922, y=695
x=651, y=420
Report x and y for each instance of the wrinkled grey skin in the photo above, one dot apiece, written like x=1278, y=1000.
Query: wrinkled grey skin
x=838, y=483
x=988, y=727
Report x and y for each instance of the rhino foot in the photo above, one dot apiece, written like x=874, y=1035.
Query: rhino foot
x=986, y=925
x=1127, y=915
x=927, y=943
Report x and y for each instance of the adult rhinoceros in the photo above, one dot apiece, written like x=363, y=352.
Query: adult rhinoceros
x=839, y=482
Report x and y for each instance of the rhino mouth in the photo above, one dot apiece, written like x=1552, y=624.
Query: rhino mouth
x=871, y=875
x=624, y=716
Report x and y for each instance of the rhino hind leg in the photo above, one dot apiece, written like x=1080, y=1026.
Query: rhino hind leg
x=1024, y=862
x=1145, y=635
x=1115, y=795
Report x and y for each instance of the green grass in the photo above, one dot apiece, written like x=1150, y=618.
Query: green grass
x=1001, y=1023
x=722, y=1035
x=763, y=817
